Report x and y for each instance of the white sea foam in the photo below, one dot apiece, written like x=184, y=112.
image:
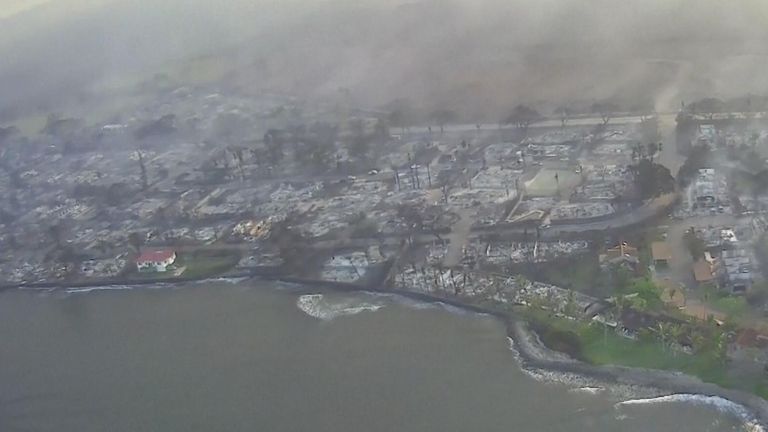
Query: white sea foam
x=426, y=305
x=453, y=309
x=98, y=288
x=228, y=280
x=415, y=304
x=723, y=405
x=589, y=390
x=579, y=383
x=321, y=307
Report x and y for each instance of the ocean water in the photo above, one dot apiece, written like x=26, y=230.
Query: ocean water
x=252, y=356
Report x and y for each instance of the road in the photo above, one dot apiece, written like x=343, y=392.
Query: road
x=666, y=117
x=458, y=238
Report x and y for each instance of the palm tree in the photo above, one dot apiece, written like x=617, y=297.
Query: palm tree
x=698, y=341
x=721, y=348
x=570, y=307
x=662, y=328
x=676, y=332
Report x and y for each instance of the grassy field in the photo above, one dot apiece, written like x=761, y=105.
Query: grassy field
x=200, y=264
x=601, y=347
x=582, y=274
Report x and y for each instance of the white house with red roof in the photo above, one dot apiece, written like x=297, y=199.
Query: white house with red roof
x=156, y=260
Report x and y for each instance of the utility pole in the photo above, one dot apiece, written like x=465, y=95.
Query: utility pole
x=429, y=177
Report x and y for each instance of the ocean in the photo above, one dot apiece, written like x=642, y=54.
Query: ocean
x=256, y=356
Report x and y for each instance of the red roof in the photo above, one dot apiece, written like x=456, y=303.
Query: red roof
x=159, y=255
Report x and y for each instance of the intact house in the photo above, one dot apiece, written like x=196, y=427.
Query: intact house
x=661, y=253
x=155, y=260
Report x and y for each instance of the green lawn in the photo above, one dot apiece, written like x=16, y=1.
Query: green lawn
x=731, y=306
x=600, y=347
x=199, y=265
x=580, y=274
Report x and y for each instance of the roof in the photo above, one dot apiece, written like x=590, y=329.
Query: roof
x=702, y=271
x=158, y=255
x=750, y=338
x=661, y=251
x=621, y=250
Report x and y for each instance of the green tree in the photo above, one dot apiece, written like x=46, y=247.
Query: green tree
x=648, y=291
x=665, y=334
x=721, y=347
x=698, y=341
x=571, y=308
x=676, y=333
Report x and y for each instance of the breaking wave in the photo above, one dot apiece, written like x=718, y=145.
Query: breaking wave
x=722, y=405
x=321, y=307
x=99, y=288
x=588, y=390
x=426, y=305
x=222, y=279
x=578, y=383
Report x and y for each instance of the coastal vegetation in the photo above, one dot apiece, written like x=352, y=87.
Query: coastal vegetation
x=595, y=344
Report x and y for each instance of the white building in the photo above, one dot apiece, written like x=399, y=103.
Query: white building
x=156, y=260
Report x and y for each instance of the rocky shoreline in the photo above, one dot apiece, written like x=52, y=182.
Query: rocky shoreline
x=534, y=356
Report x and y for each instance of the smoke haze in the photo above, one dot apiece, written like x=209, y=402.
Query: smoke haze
x=476, y=57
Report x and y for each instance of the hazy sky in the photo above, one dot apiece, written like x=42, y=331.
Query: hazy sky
x=475, y=56
x=12, y=7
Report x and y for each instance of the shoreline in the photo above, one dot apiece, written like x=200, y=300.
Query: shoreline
x=532, y=355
